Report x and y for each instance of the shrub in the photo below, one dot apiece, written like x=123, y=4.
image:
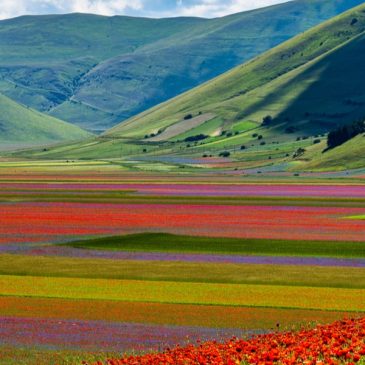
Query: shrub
x=316, y=141
x=267, y=120
x=290, y=130
x=196, y=138
x=188, y=116
x=243, y=147
x=225, y=154
x=344, y=133
x=299, y=152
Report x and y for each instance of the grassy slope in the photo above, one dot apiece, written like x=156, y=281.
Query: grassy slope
x=347, y=156
x=20, y=125
x=95, y=70
x=279, y=82
x=45, y=57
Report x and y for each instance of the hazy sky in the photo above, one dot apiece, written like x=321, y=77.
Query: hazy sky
x=150, y=8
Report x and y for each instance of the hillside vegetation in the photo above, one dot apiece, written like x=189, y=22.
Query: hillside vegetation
x=312, y=83
x=22, y=126
x=97, y=71
x=271, y=114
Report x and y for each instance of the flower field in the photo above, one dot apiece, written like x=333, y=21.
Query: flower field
x=32, y=222
x=339, y=343
x=95, y=266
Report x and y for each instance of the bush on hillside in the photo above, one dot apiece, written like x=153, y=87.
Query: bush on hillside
x=225, y=154
x=267, y=120
x=299, y=152
x=344, y=133
x=290, y=130
x=196, y=138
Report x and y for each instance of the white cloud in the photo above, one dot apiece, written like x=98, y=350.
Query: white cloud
x=10, y=8
x=104, y=7
x=13, y=8
x=217, y=8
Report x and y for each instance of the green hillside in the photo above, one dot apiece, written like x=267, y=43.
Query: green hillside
x=312, y=83
x=22, y=126
x=350, y=155
x=96, y=71
x=308, y=86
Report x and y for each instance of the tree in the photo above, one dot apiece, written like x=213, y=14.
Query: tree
x=267, y=120
x=225, y=154
x=196, y=138
x=344, y=133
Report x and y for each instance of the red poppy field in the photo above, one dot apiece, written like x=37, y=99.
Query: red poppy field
x=342, y=342
x=176, y=260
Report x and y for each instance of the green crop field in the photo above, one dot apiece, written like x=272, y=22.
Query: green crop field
x=160, y=242
x=202, y=272
x=185, y=293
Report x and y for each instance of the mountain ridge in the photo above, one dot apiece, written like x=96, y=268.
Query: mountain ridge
x=96, y=79
x=308, y=85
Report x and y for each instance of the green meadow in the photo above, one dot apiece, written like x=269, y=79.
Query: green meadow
x=162, y=242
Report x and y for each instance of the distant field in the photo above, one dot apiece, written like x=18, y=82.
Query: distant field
x=182, y=127
x=162, y=313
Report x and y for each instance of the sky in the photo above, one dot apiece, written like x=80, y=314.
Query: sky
x=149, y=8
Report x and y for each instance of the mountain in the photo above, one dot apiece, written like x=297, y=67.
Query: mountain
x=308, y=85
x=21, y=126
x=97, y=71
